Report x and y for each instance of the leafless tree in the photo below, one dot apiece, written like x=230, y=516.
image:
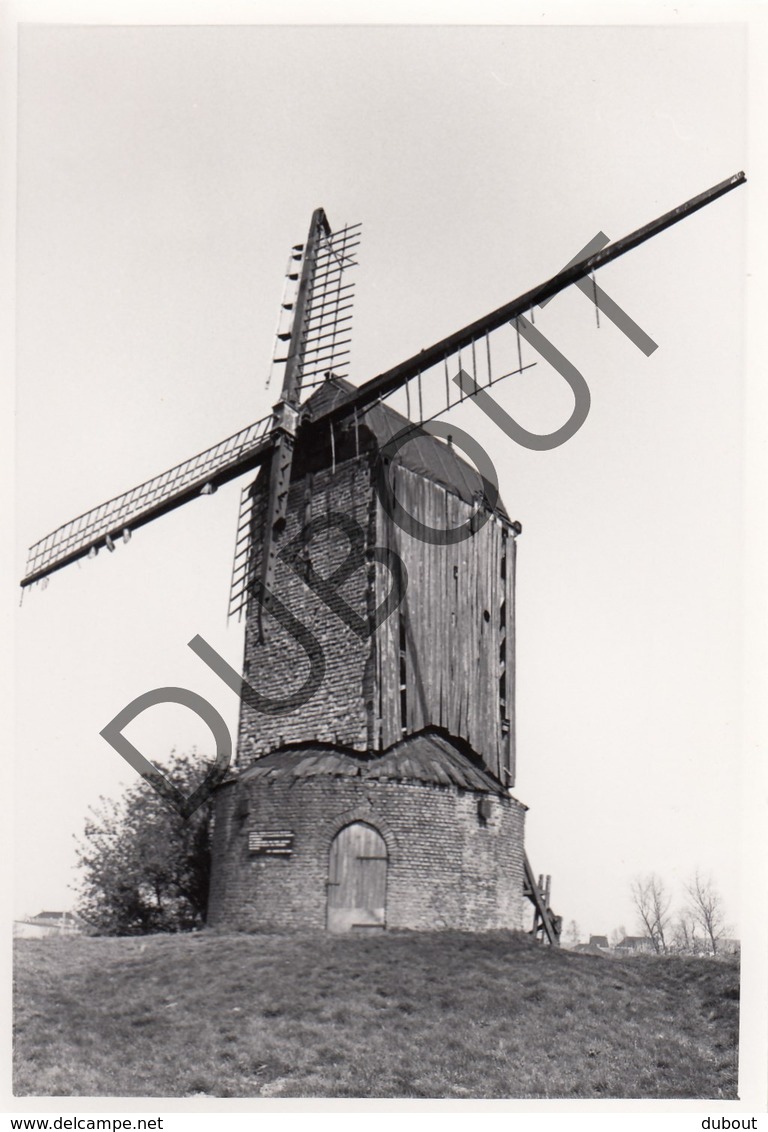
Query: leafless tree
x=652, y=901
x=617, y=935
x=684, y=934
x=572, y=934
x=705, y=907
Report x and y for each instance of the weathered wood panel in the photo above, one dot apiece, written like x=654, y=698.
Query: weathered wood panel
x=454, y=627
x=511, y=668
x=357, y=879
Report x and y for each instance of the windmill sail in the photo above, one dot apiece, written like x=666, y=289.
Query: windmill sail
x=201, y=474
x=314, y=341
x=318, y=336
x=318, y=342
x=243, y=561
x=469, y=349
x=315, y=328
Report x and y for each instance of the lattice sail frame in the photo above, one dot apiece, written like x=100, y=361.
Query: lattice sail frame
x=325, y=336
x=315, y=324
x=116, y=518
x=244, y=560
x=249, y=448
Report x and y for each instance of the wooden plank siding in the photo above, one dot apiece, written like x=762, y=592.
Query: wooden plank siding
x=511, y=662
x=450, y=619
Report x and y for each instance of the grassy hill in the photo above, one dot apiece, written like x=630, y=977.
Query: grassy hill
x=397, y=1015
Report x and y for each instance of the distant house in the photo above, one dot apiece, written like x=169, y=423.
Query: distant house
x=634, y=944
x=598, y=945
x=46, y=924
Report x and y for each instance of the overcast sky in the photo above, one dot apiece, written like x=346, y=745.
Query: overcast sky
x=164, y=173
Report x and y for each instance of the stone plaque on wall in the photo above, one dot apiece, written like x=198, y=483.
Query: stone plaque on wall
x=270, y=842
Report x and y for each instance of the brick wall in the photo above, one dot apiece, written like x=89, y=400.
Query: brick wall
x=447, y=868
x=340, y=711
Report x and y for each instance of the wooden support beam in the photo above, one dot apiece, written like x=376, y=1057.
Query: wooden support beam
x=542, y=912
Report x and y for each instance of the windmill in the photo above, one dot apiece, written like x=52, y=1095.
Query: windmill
x=322, y=822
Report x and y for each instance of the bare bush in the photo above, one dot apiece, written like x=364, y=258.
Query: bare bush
x=652, y=902
x=705, y=909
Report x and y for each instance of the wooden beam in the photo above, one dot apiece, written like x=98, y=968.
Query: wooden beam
x=535, y=895
x=392, y=379
x=245, y=463
x=291, y=390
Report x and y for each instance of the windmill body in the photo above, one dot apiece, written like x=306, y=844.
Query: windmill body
x=391, y=784
x=380, y=795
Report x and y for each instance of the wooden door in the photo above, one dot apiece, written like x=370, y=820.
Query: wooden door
x=357, y=879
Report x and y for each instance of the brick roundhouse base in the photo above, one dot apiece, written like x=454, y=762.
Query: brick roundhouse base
x=451, y=839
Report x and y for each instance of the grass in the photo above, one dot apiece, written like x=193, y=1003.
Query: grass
x=446, y=1014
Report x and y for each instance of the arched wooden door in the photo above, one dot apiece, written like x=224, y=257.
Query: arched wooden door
x=357, y=879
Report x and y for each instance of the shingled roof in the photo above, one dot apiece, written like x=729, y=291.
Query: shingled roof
x=425, y=454
x=428, y=758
